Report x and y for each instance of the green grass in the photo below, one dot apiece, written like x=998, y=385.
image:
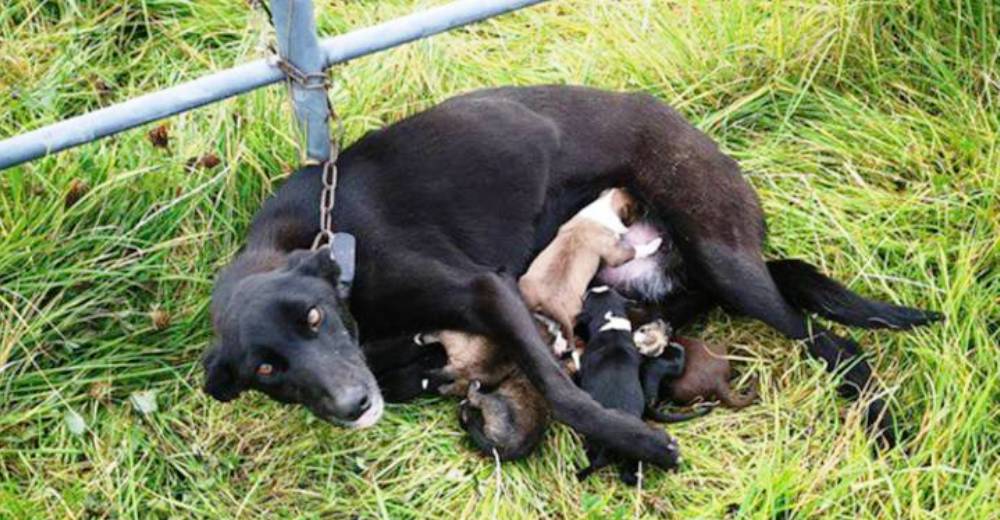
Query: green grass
x=869, y=128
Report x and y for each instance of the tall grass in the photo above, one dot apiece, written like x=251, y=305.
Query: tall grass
x=869, y=128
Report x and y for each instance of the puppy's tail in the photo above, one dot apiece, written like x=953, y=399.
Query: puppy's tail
x=669, y=417
x=734, y=401
x=804, y=287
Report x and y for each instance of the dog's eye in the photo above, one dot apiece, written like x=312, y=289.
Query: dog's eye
x=314, y=318
x=265, y=369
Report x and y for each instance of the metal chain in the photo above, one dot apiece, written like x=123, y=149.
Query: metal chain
x=327, y=197
x=328, y=194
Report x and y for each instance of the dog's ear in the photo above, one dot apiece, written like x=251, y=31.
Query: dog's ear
x=336, y=266
x=220, y=377
x=315, y=263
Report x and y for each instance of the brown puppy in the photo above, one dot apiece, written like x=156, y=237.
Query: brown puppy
x=705, y=377
x=557, y=279
x=503, y=412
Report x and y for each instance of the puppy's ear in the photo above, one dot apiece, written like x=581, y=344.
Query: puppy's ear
x=220, y=378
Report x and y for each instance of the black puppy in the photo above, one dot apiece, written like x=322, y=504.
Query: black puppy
x=609, y=372
x=654, y=371
x=404, y=369
x=663, y=360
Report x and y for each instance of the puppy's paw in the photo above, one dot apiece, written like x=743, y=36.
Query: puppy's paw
x=437, y=380
x=425, y=338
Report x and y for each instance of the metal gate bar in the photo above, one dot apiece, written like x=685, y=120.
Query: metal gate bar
x=243, y=78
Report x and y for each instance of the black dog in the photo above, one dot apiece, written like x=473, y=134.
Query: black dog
x=444, y=199
x=609, y=372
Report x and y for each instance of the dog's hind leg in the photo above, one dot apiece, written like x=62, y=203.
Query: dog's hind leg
x=741, y=280
x=808, y=289
x=716, y=221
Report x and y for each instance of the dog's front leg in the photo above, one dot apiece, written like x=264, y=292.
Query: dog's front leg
x=498, y=312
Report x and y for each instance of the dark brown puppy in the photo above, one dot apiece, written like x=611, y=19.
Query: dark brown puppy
x=508, y=421
x=706, y=377
x=502, y=412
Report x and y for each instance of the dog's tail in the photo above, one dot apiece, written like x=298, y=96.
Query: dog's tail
x=670, y=417
x=804, y=287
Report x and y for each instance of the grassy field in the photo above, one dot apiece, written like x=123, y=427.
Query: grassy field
x=871, y=130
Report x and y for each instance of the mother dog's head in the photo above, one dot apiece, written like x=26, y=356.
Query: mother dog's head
x=284, y=329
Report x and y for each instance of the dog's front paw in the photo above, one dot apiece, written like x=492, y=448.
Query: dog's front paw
x=668, y=452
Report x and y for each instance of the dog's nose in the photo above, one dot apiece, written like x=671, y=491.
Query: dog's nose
x=352, y=403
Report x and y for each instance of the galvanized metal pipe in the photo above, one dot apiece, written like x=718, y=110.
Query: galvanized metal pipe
x=237, y=80
x=299, y=46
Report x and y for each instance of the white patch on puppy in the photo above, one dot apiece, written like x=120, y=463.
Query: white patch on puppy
x=559, y=343
x=612, y=322
x=652, y=338
x=603, y=212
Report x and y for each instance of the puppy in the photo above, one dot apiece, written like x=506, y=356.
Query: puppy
x=662, y=360
x=403, y=369
x=508, y=421
x=609, y=371
x=502, y=412
x=556, y=280
x=706, y=377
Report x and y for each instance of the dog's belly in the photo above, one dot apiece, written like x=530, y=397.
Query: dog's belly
x=651, y=278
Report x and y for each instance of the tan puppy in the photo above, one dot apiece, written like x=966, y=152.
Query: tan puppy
x=558, y=278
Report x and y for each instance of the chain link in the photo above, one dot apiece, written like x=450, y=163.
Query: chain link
x=328, y=194
x=327, y=198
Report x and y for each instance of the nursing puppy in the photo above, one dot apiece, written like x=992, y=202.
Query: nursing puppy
x=502, y=412
x=609, y=372
x=706, y=377
x=404, y=369
x=508, y=421
x=557, y=279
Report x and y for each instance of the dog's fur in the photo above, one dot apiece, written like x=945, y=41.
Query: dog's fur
x=444, y=199
x=705, y=378
x=609, y=372
x=558, y=277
